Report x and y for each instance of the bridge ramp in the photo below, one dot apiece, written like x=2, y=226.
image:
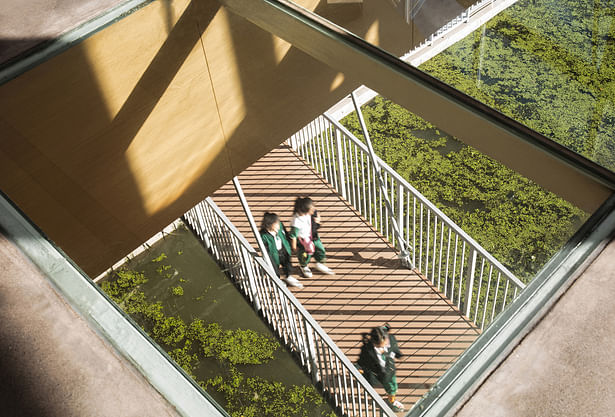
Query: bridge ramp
x=370, y=287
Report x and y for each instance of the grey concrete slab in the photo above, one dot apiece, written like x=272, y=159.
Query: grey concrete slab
x=566, y=365
x=26, y=23
x=52, y=363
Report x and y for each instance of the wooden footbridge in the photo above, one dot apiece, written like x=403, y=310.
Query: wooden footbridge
x=370, y=287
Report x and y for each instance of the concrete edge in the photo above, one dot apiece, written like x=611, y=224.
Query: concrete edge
x=39, y=54
x=106, y=318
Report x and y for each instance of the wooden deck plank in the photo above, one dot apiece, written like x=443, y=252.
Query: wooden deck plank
x=369, y=288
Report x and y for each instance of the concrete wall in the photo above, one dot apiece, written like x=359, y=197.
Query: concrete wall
x=105, y=144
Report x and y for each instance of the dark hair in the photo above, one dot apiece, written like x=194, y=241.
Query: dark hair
x=302, y=205
x=377, y=335
x=269, y=219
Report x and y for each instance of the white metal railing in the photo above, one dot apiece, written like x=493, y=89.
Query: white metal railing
x=318, y=354
x=462, y=18
x=456, y=265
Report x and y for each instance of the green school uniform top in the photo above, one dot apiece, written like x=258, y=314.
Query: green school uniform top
x=269, y=242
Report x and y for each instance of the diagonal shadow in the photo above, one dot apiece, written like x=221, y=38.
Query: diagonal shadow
x=163, y=68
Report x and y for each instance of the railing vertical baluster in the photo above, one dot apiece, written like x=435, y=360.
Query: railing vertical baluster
x=407, y=196
x=358, y=182
x=315, y=141
x=364, y=184
x=463, y=254
x=440, y=256
x=379, y=206
x=348, y=160
x=497, y=288
x=482, y=323
x=414, y=231
x=452, y=292
x=326, y=380
x=330, y=157
x=322, y=371
x=334, y=386
x=313, y=355
x=323, y=149
x=400, y=212
x=505, y=293
x=271, y=301
x=346, y=407
x=320, y=142
x=370, y=186
x=350, y=171
x=360, y=401
x=353, y=397
x=307, y=153
x=340, y=164
x=427, y=230
x=421, y=240
x=376, y=193
x=387, y=215
x=478, y=293
x=392, y=214
x=313, y=138
x=448, y=257
x=470, y=282
x=251, y=279
x=435, y=248
x=340, y=391
x=334, y=158
x=312, y=147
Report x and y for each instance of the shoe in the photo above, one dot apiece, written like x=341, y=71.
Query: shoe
x=324, y=269
x=293, y=282
x=305, y=271
x=396, y=406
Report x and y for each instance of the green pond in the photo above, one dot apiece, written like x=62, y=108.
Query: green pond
x=548, y=64
x=189, y=285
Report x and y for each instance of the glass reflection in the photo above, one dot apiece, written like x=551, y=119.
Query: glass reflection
x=549, y=65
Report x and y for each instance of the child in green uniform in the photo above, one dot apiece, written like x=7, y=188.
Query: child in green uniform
x=304, y=223
x=273, y=234
x=377, y=362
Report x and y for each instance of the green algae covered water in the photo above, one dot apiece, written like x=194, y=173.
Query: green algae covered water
x=234, y=355
x=548, y=64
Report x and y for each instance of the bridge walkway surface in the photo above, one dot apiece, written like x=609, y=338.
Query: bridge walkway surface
x=370, y=287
